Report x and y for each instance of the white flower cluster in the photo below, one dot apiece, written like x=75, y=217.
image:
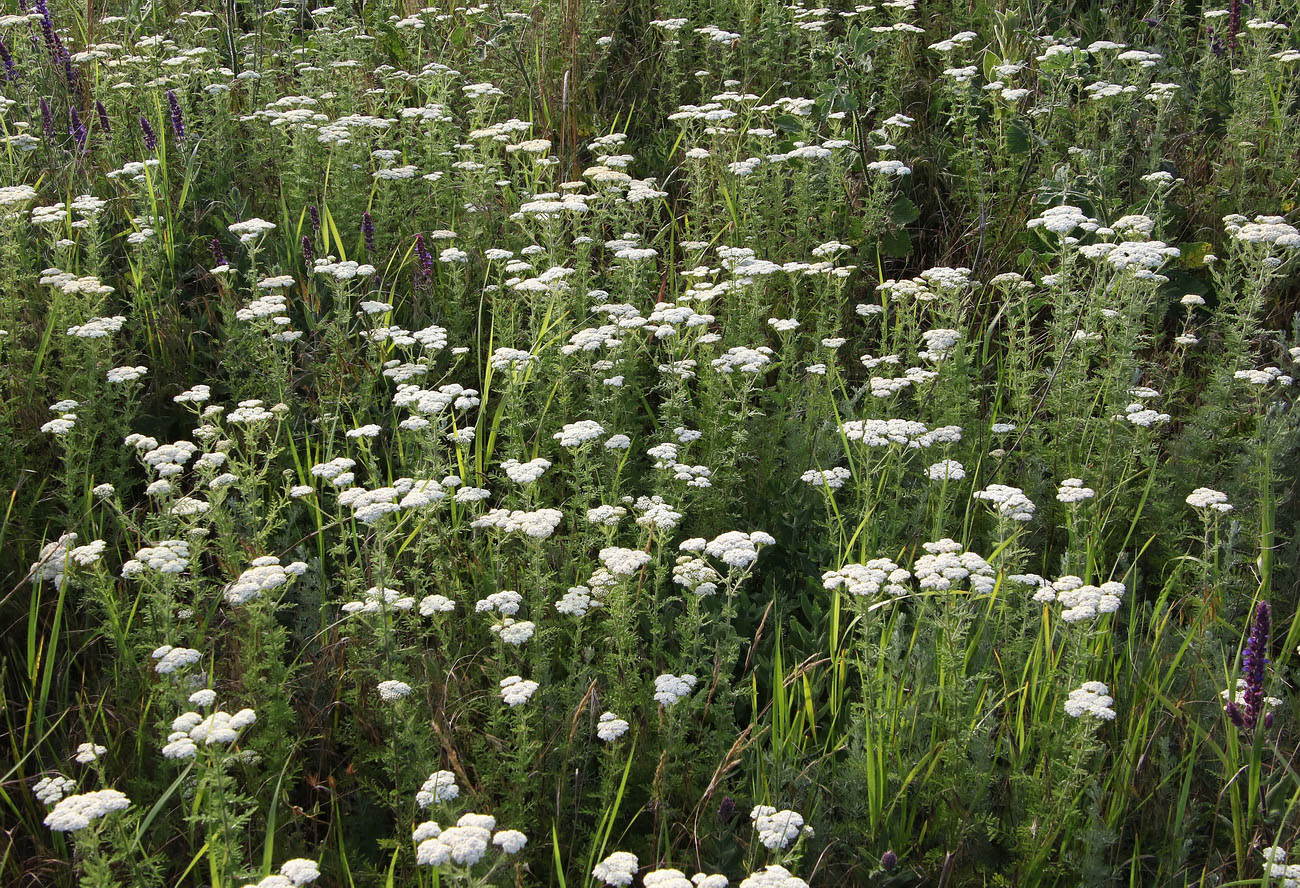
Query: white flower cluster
x=830, y=478
x=266, y=574
x=946, y=470
x=525, y=473
x=48, y=790
x=877, y=575
x=576, y=434
x=945, y=566
x=516, y=690
x=610, y=727
x=440, y=787
x=464, y=844
x=391, y=690
x=296, y=872
x=777, y=829
x=168, y=557
x=1009, y=502
x=376, y=599
x=1072, y=492
x=773, y=876
x=696, y=575
x=88, y=752
x=734, y=548
x=1140, y=415
x=170, y=659
x=1081, y=601
x=538, y=524
x=1091, y=699
x=617, y=869
x=905, y=432
x=1276, y=867
x=53, y=561
x=671, y=688
x=623, y=562
x=77, y=811
x=191, y=729
x=1207, y=500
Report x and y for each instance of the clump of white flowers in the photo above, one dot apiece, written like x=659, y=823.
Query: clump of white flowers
x=1091, y=699
x=88, y=752
x=876, y=576
x=171, y=658
x=48, y=790
x=777, y=829
x=610, y=727
x=439, y=787
x=946, y=566
x=1008, y=502
x=78, y=811
x=670, y=688
x=1204, y=499
x=617, y=869
x=392, y=690
x=773, y=876
x=296, y=872
x=464, y=844
x=191, y=729
x=516, y=690
x=1072, y=492
x=266, y=574
x=1079, y=600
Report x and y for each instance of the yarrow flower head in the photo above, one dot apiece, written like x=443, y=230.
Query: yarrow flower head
x=1092, y=699
x=777, y=829
x=670, y=688
x=76, y=812
x=440, y=787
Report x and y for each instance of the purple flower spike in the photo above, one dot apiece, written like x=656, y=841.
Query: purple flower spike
x=76, y=129
x=425, y=257
x=11, y=70
x=150, y=137
x=308, y=252
x=47, y=119
x=1254, y=665
x=103, y=118
x=178, y=120
x=368, y=230
x=217, y=253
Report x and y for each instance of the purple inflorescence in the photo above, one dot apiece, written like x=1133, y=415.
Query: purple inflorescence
x=178, y=120
x=425, y=257
x=368, y=231
x=76, y=128
x=1254, y=664
x=150, y=137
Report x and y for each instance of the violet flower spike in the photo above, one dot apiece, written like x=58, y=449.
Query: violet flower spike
x=308, y=252
x=103, y=117
x=11, y=70
x=1254, y=666
x=217, y=253
x=425, y=257
x=150, y=137
x=76, y=128
x=368, y=230
x=47, y=119
x=178, y=120
x=314, y=215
